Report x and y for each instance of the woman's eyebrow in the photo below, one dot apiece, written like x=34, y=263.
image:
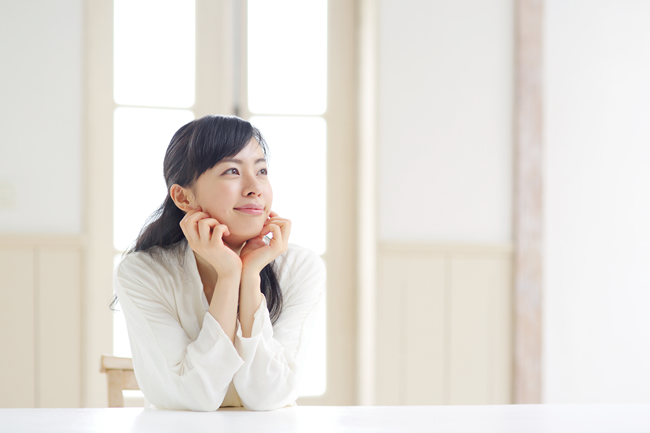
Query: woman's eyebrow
x=239, y=161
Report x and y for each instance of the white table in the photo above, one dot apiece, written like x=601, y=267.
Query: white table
x=622, y=418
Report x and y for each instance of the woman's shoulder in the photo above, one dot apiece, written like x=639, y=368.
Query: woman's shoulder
x=300, y=266
x=298, y=256
x=153, y=264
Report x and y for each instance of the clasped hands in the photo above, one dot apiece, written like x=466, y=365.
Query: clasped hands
x=205, y=236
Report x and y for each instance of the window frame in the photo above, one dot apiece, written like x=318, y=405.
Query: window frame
x=215, y=77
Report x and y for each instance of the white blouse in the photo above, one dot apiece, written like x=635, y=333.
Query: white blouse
x=182, y=357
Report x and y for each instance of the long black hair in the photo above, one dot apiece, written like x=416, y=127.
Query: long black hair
x=195, y=148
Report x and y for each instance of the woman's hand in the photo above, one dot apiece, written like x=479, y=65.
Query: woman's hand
x=205, y=237
x=256, y=254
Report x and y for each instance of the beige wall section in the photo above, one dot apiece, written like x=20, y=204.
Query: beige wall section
x=97, y=319
x=58, y=306
x=40, y=320
x=444, y=324
x=367, y=200
x=480, y=327
x=423, y=330
x=17, y=326
x=214, y=57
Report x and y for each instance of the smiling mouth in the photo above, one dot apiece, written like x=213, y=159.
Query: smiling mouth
x=250, y=210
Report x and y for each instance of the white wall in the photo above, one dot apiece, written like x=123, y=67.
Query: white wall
x=445, y=139
x=41, y=116
x=445, y=155
x=597, y=260
x=445, y=120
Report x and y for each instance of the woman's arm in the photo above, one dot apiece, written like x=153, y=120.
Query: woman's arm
x=250, y=299
x=274, y=354
x=255, y=255
x=205, y=237
x=223, y=305
x=173, y=371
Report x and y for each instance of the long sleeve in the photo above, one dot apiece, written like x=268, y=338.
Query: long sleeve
x=273, y=355
x=173, y=370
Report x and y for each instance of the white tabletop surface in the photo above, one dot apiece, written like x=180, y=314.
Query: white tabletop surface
x=622, y=418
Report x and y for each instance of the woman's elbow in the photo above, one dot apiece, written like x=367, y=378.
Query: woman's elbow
x=263, y=405
x=206, y=406
x=185, y=401
x=271, y=401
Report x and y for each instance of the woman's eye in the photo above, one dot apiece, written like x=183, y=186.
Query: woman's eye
x=232, y=170
x=264, y=171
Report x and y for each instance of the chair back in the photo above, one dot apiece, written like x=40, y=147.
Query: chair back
x=119, y=372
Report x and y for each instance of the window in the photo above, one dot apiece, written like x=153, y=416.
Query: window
x=286, y=90
x=155, y=92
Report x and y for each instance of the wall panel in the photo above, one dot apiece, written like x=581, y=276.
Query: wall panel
x=40, y=321
x=59, y=324
x=470, y=329
x=444, y=319
x=17, y=327
x=389, y=308
x=502, y=354
x=423, y=323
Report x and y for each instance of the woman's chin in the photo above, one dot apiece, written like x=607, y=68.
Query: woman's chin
x=241, y=237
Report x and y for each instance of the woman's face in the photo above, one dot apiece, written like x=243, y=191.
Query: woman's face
x=237, y=193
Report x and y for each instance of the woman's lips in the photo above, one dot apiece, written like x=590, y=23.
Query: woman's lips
x=250, y=211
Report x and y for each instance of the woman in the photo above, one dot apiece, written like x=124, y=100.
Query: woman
x=215, y=315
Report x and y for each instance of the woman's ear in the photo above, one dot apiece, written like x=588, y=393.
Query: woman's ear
x=183, y=197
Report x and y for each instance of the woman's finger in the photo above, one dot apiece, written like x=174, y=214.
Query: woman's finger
x=189, y=225
x=187, y=216
x=284, y=224
x=286, y=229
x=271, y=220
x=268, y=228
x=277, y=234
x=191, y=219
x=279, y=221
x=219, y=232
x=189, y=228
x=205, y=227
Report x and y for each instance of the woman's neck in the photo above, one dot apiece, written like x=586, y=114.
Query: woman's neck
x=235, y=246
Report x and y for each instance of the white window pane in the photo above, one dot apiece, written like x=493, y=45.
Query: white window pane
x=121, y=346
x=297, y=172
x=154, y=52
x=141, y=139
x=314, y=379
x=287, y=56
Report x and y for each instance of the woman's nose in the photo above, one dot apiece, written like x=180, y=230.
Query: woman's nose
x=252, y=187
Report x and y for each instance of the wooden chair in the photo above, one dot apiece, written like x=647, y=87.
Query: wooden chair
x=120, y=377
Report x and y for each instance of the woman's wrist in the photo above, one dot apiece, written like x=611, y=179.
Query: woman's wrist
x=231, y=274
x=249, y=272
x=250, y=298
x=229, y=278
x=232, y=277
x=250, y=277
